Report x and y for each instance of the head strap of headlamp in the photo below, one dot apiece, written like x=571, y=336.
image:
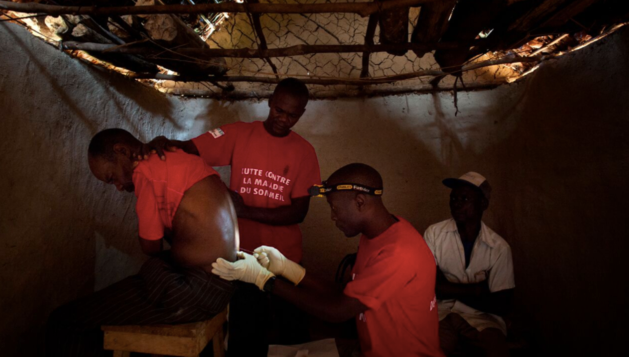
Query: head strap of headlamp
x=324, y=188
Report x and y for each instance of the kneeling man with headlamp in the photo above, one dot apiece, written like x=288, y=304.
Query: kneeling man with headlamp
x=392, y=292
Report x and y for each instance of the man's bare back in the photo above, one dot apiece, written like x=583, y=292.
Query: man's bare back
x=205, y=226
x=182, y=201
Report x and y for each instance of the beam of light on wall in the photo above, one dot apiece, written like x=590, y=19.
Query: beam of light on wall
x=598, y=38
x=95, y=61
x=451, y=12
x=587, y=41
x=167, y=71
x=516, y=78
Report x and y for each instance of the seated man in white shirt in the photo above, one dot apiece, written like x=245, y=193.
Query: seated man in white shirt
x=475, y=281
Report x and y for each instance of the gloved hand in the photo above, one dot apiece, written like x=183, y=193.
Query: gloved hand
x=246, y=269
x=277, y=263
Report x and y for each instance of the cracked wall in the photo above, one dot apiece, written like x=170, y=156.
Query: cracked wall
x=285, y=30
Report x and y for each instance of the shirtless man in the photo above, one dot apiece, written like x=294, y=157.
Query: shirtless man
x=272, y=168
x=181, y=200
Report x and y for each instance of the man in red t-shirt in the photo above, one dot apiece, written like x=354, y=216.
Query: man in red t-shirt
x=392, y=292
x=181, y=199
x=272, y=169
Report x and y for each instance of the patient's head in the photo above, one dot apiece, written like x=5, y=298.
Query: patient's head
x=110, y=157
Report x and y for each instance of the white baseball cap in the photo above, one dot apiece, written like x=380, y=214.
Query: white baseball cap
x=471, y=178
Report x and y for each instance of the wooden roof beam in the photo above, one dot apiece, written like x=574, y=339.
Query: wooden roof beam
x=537, y=18
x=363, y=9
x=257, y=27
x=565, y=14
x=537, y=15
x=348, y=81
x=371, y=31
x=298, y=50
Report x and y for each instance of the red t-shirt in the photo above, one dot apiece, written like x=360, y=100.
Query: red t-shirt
x=394, y=276
x=267, y=172
x=159, y=187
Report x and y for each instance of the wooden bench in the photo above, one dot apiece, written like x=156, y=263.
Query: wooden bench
x=167, y=340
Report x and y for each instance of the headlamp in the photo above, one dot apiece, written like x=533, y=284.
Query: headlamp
x=324, y=188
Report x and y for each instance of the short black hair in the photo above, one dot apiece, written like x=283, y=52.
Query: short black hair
x=102, y=144
x=362, y=174
x=293, y=86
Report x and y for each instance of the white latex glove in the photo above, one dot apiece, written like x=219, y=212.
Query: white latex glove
x=276, y=262
x=246, y=269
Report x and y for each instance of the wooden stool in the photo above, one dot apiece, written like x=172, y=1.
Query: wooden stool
x=167, y=340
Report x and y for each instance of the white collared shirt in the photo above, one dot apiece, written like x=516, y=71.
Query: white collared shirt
x=490, y=260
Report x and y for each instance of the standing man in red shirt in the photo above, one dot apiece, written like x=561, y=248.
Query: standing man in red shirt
x=272, y=169
x=392, y=292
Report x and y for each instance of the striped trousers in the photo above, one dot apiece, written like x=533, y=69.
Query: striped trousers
x=160, y=293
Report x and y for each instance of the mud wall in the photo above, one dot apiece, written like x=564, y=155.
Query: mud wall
x=554, y=148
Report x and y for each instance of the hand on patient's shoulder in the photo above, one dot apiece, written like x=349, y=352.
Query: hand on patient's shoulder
x=156, y=146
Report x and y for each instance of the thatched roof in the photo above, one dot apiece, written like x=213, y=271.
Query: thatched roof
x=339, y=47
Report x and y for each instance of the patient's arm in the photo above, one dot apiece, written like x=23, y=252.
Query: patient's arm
x=475, y=295
x=151, y=247
x=168, y=236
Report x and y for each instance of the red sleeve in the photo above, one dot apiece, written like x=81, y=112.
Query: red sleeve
x=150, y=226
x=308, y=174
x=386, y=274
x=195, y=170
x=217, y=145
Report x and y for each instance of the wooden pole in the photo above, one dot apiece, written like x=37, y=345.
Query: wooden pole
x=297, y=50
x=368, y=92
x=273, y=80
x=257, y=27
x=371, y=31
x=354, y=82
x=130, y=62
x=362, y=9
